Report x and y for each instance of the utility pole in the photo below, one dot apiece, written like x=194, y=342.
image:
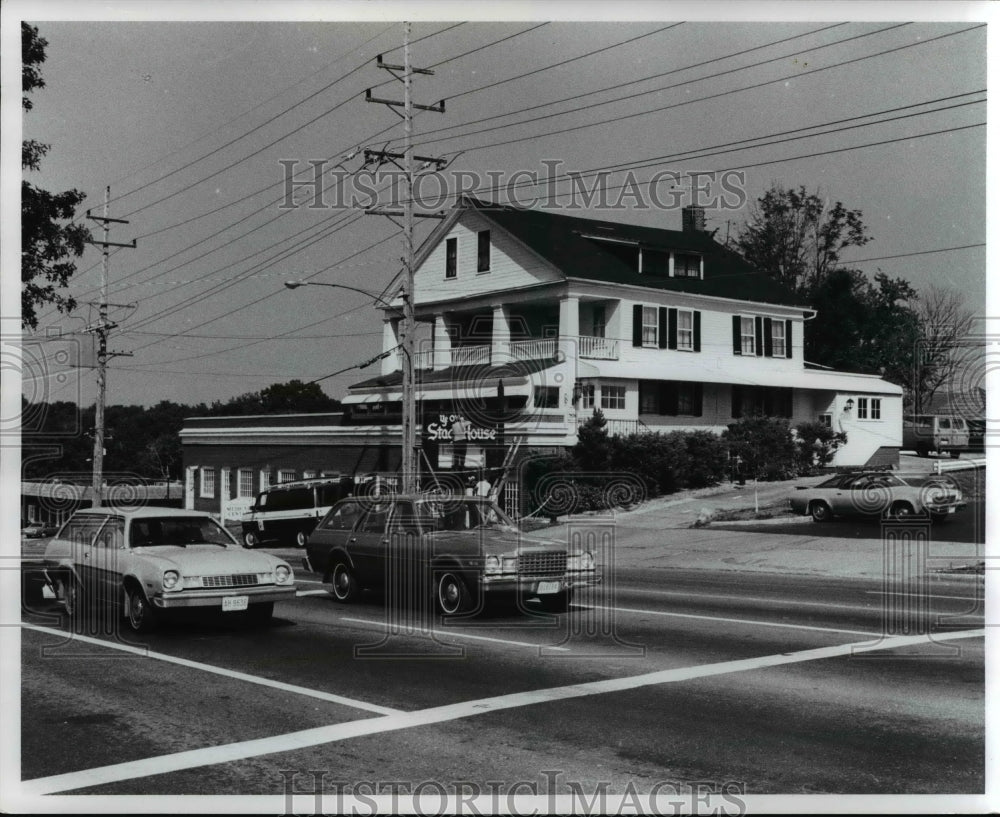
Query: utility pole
x=102, y=328
x=409, y=408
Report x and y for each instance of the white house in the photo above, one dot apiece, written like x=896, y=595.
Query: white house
x=534, y=318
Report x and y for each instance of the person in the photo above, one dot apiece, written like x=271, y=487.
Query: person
x=483, y=486
x=459, y=439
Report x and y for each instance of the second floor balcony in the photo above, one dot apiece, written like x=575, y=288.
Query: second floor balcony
x=495, y=354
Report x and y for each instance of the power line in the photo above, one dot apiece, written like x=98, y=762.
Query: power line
x=910, y=254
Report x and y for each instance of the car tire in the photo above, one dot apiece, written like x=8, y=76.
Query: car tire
x=68, y=591
x=260, y=614
x=141, y=614
x=901, y=511
x=820, y=512
x=251, y=539
x=556, y=602
x=301, y=538
x=451, y=595
x=343, y=583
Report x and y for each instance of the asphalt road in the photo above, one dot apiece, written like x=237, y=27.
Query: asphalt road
x=760, y=684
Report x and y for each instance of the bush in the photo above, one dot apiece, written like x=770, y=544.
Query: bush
x=659, y=460
x=765, y=446
x=816, y=444
x=708, y=458
x=593, y=451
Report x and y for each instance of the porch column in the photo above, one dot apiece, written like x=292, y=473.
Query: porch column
x=390, y=340
x=569, y=325
x=442, y=342
x=500, y=340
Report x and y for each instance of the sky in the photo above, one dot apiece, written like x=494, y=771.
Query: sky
x=189, y=123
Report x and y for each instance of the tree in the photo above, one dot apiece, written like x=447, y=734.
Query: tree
x=944, y=343
x=47, y=244
x=796, y=238
x=293, y=397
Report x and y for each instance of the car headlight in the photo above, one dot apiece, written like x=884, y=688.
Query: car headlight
x=492, y=564
x=508, y=564
x=170, y=579
x=283, y=573
x=580, y=561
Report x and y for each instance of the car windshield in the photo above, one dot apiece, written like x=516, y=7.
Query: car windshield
x=158, y=531
x=463, y=515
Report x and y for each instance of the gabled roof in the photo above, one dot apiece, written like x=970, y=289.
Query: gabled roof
x=568, y=243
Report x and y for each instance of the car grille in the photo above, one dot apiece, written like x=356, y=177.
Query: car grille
x=546, y=563
x=230, y=580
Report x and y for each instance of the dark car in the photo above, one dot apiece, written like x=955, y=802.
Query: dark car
x=38, y=530
x=877, y=493
x=458, y=550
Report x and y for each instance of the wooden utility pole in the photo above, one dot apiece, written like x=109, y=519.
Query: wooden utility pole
x=102, y=328
x=409, y=408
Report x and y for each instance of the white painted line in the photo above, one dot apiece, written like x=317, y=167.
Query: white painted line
x=295, y=741
x=311, y=593
x=764, y=599
x=449, y=632
x=747, y=621
x=228, y=673
x=921, y=595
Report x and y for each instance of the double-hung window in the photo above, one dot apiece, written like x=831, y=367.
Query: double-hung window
x=747, y=335
x=244, y=484
x=778, y=339
x=687, y=265
x=685, y=329
x=207, y=483
x=869, y=408
x=587, y=396
x=650, y=325
x=612, y=397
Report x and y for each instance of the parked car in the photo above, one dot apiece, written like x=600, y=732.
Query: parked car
x=155, y=560
x=38, y=530
x=457, y=549
x=935, y=433
x=288, y=512
x=877, y=493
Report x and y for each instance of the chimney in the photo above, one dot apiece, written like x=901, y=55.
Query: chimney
x=693, y=219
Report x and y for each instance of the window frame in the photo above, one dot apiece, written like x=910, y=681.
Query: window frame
x=655, y=342
x=206, y=483
x=451, y=258
x=480, y=254
x=613, y=393
x=869, y=408
x=588, y=394
x=778, y=326
x=689, y=331
x=545, y=397
x=244, y=483
x=687, y=269
x=744, y=321
x=283, y=475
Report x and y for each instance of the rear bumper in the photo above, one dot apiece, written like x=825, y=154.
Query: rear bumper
x=213, y=598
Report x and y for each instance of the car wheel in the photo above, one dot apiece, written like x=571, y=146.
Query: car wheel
x=820, y=512
x=901, y=510
x=452, y=595
x=68, y=591
x=260, y=614
x=251, y=539
x=344, y=583
x=141, y=614
x=301, y=537
x=556, y=602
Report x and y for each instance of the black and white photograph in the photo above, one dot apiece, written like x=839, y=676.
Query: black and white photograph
x=512, y=408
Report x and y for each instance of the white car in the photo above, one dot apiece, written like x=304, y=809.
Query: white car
x=153, y=560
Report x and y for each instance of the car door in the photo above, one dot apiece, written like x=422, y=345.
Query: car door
x=368, y=545
x=107, y=556
x=336, y=531
x=848, y=494
x=81, y=535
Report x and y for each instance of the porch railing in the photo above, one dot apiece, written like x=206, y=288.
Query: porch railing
x=588, y=346
x=598, y=348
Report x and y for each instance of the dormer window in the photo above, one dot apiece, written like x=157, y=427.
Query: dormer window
x=655, y=262
x=687, y=265
x=451, y=258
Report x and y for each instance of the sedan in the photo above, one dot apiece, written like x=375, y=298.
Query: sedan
x=877, y=493
x=151, y=561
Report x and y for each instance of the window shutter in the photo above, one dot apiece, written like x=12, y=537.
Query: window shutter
x=697, y=331
x=768, y=340
x=672, y=328
x=637, y=325
x=788, y=338
x=668, y=398
x=737, y=394
x=737, y=345
x=697, y=399
x=662, y=333
x=758, y=325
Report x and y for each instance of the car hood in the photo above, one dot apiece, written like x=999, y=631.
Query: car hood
x=196, y=560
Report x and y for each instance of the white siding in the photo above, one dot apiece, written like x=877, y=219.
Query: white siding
x=511, y=265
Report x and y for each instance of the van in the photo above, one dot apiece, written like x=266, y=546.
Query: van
x=937, y=433
x=288, y=512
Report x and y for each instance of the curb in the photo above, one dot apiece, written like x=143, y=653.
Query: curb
x=774, y=520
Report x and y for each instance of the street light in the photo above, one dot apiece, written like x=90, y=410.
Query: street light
x=409, y=403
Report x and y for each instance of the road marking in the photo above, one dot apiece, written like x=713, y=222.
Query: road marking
x=296, y=741
x=228, y=673
x=299, y=593
x=449, y=632
x=921, y=595
x=749, y=621
x=731, y=597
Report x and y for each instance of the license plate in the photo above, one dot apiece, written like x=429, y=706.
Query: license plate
x=231, y=604
x=952, y=510
x=547, y=587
